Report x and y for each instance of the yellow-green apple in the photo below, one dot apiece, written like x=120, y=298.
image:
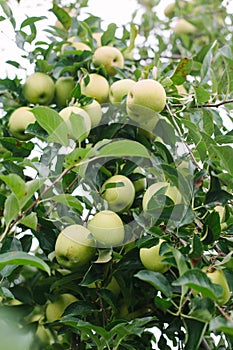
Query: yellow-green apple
x=97, y=37
x=119, y=192
x=76, y=44
x=145, y=100
x=77, y=121
x=152, y=260
x=74, y=247
x=141, y=183
x=19, y=121
x=120, y=89
x=63, y=88
x=184, y=27
x=170, y=191
x=97, y=87
x=94, y=111
x=107, y=228
x=217, y=276
x=55, y=309
x=169, y=10
x=39, y=88
x=109, y=57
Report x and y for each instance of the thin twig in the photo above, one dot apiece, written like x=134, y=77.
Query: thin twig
x=181, y=135
x=223, y=313
x=206, y=105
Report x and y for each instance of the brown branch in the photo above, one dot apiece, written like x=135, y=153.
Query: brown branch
x=206, y=105
x=223, y=313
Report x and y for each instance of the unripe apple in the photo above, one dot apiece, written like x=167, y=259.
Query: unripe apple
x=108, y=57
x=63, y=88
x=218, y=277
x=39, y=88
x=77, y=45
x=81, y=118
x=94, y=111
x=107, y=228
x=97, y=87
x=19, y=121
x=184, y=27
x=97, y=37
x=120, y=89
x=74, y=247
x=54, y=310
x=139, y=184
x=119, y=198
x=145, y=100
x=151, y=259
x=169, y=10
x=171, y=192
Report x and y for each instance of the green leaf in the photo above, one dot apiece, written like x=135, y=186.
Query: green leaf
x=30, y=221
x=198, y=280
x=220, y=324
x=62, y=16
x=182, y=70
x=15, y=183
x=8, y=12
x=16, y=147
x=157, y=280
x=53, y=123
x=11, y=208
x=109, y=34
x=31, y=20
x=68, y=200
x=31, y=187
x=22, y=258
x=123, y=148
x=202, y=95
x=207, y=63
x=195, y=331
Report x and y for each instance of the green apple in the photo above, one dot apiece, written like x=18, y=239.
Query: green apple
x=54, y=310
x=120, y=89
x=145, y=100
x=119, y=198
x=44, y=335
x=184, y=27
x=140, y=184
x=77, y=45
x=97, y=37
x=107, y=228
x=171, y=192
x=74, y=247
x=218, y=277
x=94, y=111
x=63, y=88
x=80, y=125
x=19, y=121
x=97, y=87
x=152, y=260
x=109, y=57
x=39, y=88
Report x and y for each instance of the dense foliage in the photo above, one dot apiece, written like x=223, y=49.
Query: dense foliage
x=53, y=177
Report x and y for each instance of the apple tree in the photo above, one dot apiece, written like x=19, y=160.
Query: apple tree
x=116, y=180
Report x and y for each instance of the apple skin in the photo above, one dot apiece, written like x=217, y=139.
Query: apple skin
x=82, y=115
x=169, y=10
x=54, y=310
x=119, y=198
x=140, y=184
x=107, y=228
x=19, y=121
x=184, y=27
x=145, y=100
x=97, y=87
x=74, y=247
x=39, y=88
x=171, y=192
x=109, y=57
x=151, y=259
x=94, y=111
x=63, y=88
x=77, y=45
x=120, y=89
x=218, y=277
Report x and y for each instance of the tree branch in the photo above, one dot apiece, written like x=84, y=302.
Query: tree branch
x=206, y=105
